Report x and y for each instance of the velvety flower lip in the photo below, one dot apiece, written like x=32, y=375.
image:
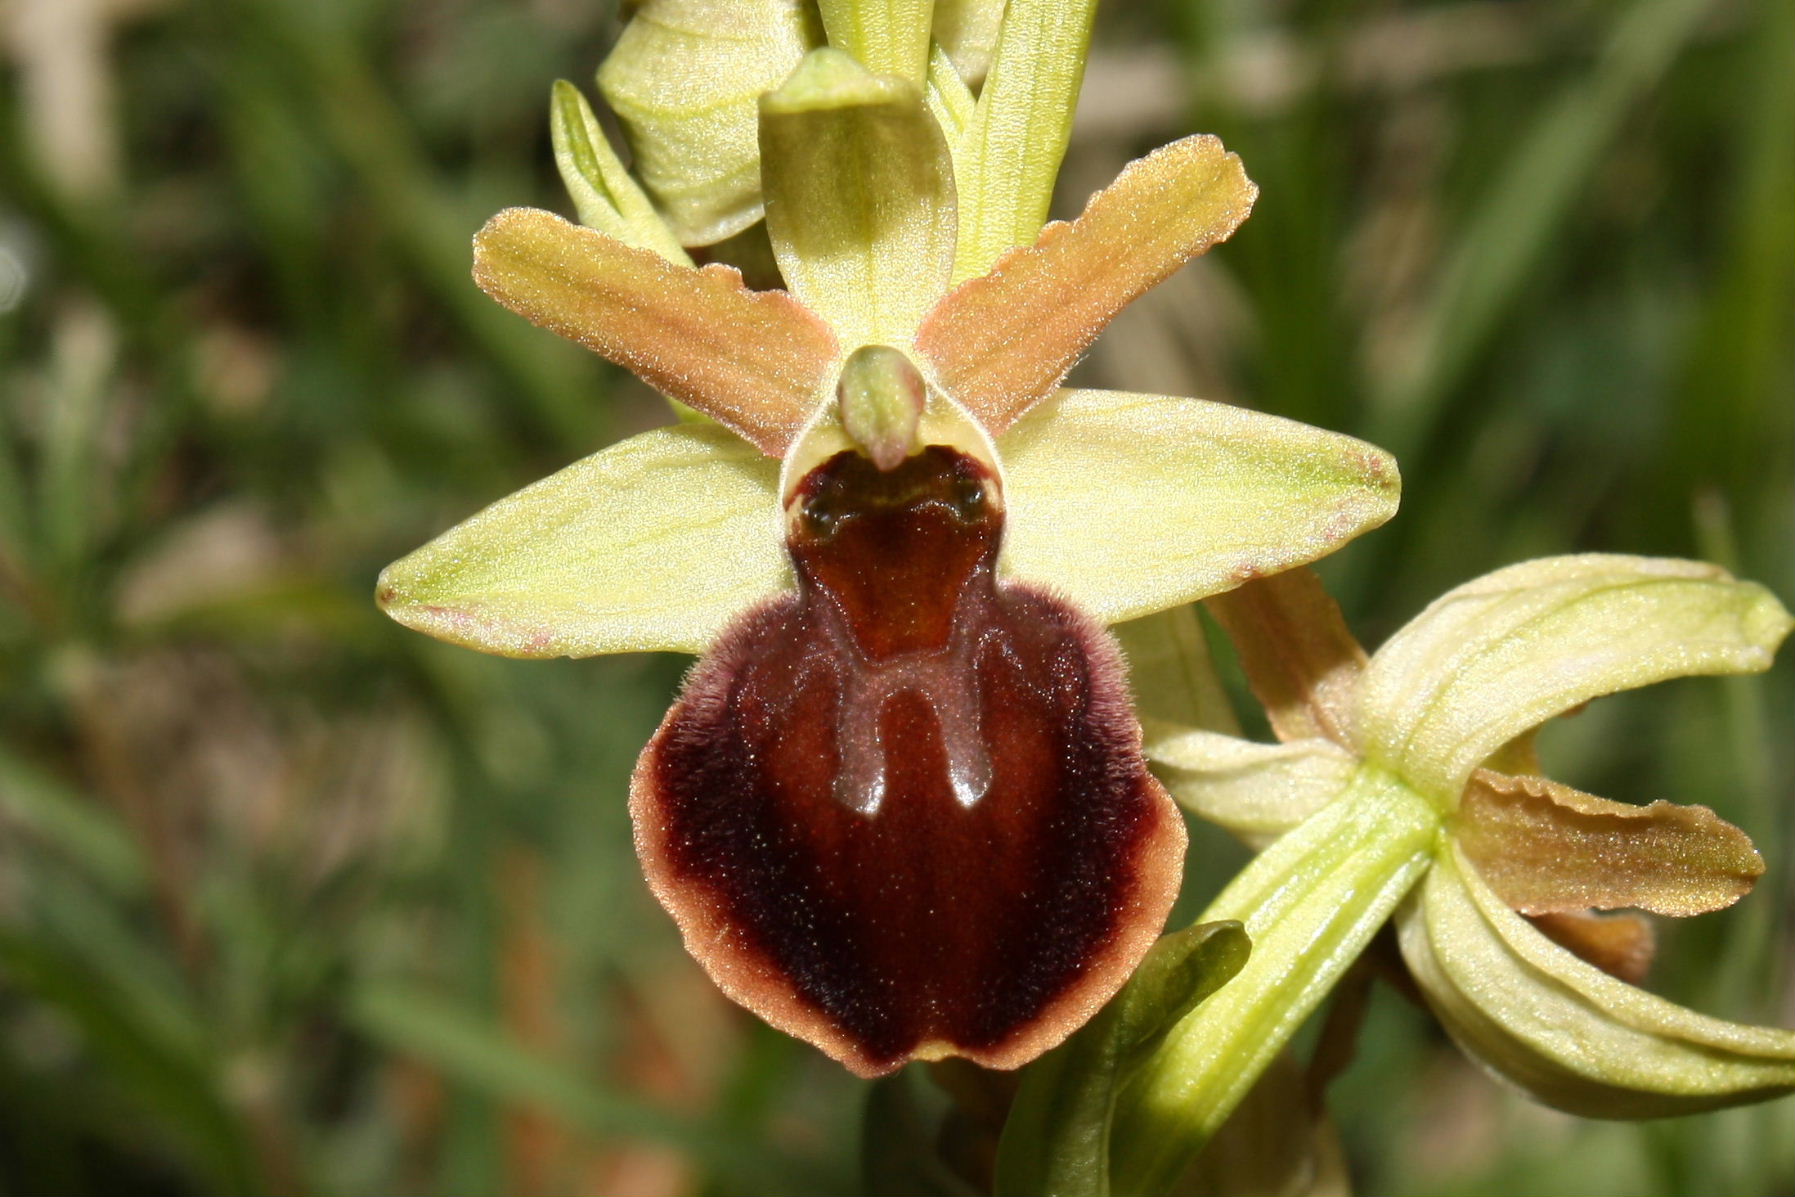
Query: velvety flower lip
x=1506, y=865
x=900, y=809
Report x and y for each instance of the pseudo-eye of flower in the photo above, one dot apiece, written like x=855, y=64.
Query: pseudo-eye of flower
x=900, y=808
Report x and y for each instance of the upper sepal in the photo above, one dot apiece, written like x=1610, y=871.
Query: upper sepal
x=860, y=197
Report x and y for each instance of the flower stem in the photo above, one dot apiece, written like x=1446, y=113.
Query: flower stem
x=1311, y=902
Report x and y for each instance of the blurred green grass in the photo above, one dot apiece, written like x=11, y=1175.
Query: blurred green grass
x=293, y=900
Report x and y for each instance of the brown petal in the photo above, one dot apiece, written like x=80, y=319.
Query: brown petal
x=1003, y=341
x=1545, y=847
x=1621, y=945
x=759, y=362
x=903, y=813
x=1299, y=656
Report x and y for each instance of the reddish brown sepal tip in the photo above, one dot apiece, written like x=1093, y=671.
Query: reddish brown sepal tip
x=903, y=813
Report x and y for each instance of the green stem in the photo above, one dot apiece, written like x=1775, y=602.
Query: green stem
x=1310, y=902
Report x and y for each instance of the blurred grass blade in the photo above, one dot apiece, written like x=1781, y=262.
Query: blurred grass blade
x=173, y=1086
x=900, y=1149
x=365, y=126
x=1510, y=233
x=413, y=1023
x=68, y=821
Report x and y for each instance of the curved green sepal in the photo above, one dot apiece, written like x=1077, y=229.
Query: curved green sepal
x=655, y=543
x=1129, y=504
x=860, y=197
x=1564, y=1031
x=1310, y=902
x=606, y=196
x=1504, y=653
x=1257, y=791
x=1056, y=1141
x=684, y=79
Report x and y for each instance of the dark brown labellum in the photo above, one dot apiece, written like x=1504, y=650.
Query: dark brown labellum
x=903, y=813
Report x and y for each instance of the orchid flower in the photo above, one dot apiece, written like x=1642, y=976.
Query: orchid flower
x=900, y=809
x=1406, y=785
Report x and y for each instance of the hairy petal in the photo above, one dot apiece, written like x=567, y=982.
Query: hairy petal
x=1547, y=848
x=1506, y=652
x=758, y=362
x=1563, y=1030
x=1255, y=790
x=653, y=543
x=1002, y=341
x=1129, y=504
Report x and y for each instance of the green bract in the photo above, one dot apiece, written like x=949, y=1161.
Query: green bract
x=1391, y=776
x=684, y=80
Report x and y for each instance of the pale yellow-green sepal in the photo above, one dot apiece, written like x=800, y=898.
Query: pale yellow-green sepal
x=604, y=193
x=684, y=79
x=860, y=197
x=1257, y=791
x=1563, y=1030
x=1508, y=651
x=1127, y=504
x=1310, y=903
x=654, y=543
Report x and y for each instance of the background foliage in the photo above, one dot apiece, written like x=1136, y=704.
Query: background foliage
x=293, y=900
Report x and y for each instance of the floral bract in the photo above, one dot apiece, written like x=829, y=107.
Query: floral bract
x=890, y=532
